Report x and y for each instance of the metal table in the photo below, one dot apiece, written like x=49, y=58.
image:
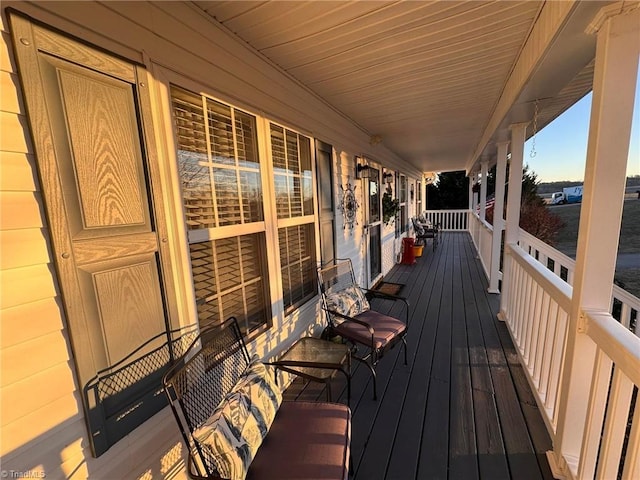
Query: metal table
x=317, y=360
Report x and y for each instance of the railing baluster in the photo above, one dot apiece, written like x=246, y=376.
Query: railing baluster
x=534, y=331
x=597, y=403
x=615, y=426
x=525, y=313
x=632, y=460
x=625, y=315
x=556, y=364
x=550, y=340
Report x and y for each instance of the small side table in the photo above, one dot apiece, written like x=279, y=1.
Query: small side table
x=317, y=360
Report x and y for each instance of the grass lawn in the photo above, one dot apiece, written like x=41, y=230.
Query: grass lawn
x=629, y=238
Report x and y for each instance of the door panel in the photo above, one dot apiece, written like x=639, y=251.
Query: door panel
x=109, y=185
x=98, y=151
x=124, y=295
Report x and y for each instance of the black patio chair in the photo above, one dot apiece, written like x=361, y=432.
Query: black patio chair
x=349, y=315
x=423, y=232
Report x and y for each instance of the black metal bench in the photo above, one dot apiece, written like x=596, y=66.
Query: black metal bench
x=307, y=440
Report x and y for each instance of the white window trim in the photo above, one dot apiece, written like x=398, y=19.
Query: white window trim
x=279, y=223
x=180, y=238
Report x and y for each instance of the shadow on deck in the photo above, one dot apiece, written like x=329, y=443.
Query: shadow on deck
x=462, y=407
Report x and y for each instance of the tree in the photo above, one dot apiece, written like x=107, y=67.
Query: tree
x=530, y=184
x=543, y=224
x=535, y=217
x=450, y=192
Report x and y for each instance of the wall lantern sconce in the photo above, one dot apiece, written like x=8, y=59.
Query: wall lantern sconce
x=387, y=178
x=429, y=177
x=363, y=171
x=411, y=191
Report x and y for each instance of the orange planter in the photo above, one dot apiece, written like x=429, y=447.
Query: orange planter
x=417, y=250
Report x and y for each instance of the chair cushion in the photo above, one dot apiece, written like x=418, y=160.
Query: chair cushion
x=418, y=227
x=307, y=440
x=232, y=436
x=350, y=301
x=263, y=396
x=386, y=329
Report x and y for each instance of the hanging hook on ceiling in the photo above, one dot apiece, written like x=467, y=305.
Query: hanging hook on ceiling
x=535, y=130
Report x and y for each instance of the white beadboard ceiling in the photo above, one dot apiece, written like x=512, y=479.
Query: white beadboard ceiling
x=424, y=76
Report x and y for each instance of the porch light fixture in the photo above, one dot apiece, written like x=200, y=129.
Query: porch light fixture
x=387, y=178
x=363, y=171
x=429, y=177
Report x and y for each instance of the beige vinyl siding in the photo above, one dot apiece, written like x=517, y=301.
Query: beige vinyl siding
x=33, y=349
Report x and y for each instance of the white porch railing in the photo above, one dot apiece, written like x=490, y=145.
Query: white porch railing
x=611, y=440
x=625, y=307
x=449, y=220
x=536, y=308
x=482, y=235
x=536, y=311
x=560, y=264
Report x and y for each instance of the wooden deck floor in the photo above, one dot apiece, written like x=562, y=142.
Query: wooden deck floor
x=461, y=408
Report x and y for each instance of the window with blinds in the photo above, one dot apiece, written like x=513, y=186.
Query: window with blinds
x=297, y=257
x=229, y=281
x=217, y=162
x=291, y=157
x=293, y=177
x=219, y=171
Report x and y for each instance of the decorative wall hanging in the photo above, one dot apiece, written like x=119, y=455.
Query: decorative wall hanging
x=349, y=205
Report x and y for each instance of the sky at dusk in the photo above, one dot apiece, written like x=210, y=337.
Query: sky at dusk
x=561, y=147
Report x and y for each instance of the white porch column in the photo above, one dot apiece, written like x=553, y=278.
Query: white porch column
x=512, y=224
x=498, y=219
x=512, y=227
x=484, y=170
x=614, y=84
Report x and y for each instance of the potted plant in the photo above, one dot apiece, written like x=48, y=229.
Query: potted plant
x=390, y=206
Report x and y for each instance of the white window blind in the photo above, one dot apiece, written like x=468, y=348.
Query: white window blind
x=217, y=162
x=297, y=257
x=293, y=177
x=219, y=170
x=229, y=281
x=291, y=156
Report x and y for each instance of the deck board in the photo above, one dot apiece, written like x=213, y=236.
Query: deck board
x=461, y=408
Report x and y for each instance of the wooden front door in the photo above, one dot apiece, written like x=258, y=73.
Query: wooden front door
x=89, y=114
